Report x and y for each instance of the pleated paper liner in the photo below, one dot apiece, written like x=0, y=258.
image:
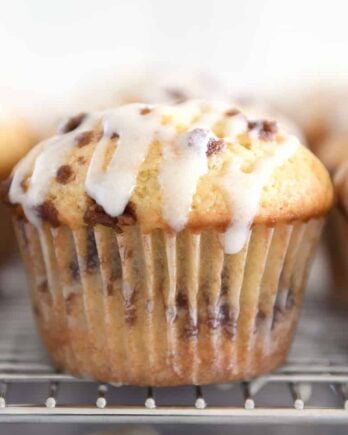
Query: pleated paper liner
x=157, y=309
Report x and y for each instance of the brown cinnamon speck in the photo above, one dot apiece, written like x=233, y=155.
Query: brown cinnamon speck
x=73, y=122
x=43, y=287
x=74, y=269
x=181, y=300
x=114, y=135
x=232, y=112
x=64, y=174
x=95, y=214
x=81, y=160
x=266, y=129
x=48, y=212
x=145, y=111
x=92, y=259
x=128, y=217
x=190, y=329
x=84, y=138
x=223, y=319
x=215, y=146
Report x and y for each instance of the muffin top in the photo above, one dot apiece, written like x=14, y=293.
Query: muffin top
x=16, y=138
x=192, y=165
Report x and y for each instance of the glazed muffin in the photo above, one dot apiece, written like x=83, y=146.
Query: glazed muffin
x=168, y=244
x=16, y=138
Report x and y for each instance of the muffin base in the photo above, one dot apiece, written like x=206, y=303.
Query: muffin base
x=162, y=309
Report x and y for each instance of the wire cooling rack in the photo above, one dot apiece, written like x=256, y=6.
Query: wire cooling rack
x=311, y=387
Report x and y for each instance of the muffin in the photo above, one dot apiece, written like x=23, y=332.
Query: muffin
x=320, y=113
x=16, y=138
x=168, y=244
x=331, y=146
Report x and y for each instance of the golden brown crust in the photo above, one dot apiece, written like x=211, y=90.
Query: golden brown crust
x=298, y=189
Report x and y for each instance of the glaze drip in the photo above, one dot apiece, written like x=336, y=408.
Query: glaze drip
x=244, y=189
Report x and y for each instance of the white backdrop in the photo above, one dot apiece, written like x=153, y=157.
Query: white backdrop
x=48, y=47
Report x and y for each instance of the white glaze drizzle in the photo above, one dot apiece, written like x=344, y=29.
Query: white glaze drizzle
x=244, y=191
x=236, y=125
x=44, y=160
x=112, y=188
x=184, y=161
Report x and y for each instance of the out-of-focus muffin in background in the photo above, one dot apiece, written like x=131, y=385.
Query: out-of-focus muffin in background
x=157, y=84
x=162, y=84
x=321, y=113
x=323, y=117
x=16, y=138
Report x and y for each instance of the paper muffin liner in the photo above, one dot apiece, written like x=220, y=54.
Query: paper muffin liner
x=336, y=241
x=162, y=309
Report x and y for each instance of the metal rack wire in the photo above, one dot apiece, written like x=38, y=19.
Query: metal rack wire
x=104, y=407
x=312, y=386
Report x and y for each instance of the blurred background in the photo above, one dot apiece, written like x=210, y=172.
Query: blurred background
x=53, y=51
